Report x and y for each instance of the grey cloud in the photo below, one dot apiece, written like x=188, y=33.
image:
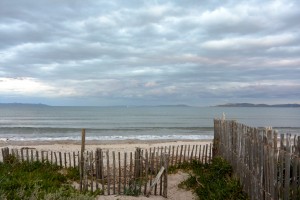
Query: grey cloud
x=153, y=50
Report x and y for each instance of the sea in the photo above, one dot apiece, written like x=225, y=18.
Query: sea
x=48, y=123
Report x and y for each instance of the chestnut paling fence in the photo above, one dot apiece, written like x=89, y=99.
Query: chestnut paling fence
x=144, y=171
x=267, y=165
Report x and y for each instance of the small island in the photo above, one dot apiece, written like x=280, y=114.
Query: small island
x=259, y=105
x=24, y=104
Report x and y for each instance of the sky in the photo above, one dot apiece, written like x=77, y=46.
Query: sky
x=134, y=52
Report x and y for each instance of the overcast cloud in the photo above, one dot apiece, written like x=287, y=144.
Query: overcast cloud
x=92, y=52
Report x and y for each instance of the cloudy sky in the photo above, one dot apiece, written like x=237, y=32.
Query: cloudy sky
x=134, y=52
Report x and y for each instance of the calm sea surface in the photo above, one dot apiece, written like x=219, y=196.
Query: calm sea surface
x=143, y=123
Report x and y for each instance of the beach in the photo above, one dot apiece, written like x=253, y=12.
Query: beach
x=112, y=145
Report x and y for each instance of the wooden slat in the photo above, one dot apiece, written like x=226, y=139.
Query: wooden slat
x=119, y=183
x=184, y=153
x=199, y=158
x=176, y=163
x=74, y=160
x=114, y=172
x=146, y=171
x=156, y=169
x=92, y=170
x=125, y=174
x=172, y=160
x=108, y=172
x=180, y=156
x=60, y=159
x=166, y=165
x=155, y=180
x=265, y=171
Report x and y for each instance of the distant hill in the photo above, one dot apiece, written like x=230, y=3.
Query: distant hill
x=24, y=104
x=259, y=105
x=177, y=105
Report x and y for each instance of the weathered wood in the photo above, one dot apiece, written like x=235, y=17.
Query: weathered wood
x=81, y=157
x=184, y=153
x=114, y=172
x=188, y=153
x=156, y=180
x=166, y=165
x=92, y=171
x=125, y=174
x=180, y=156
x=78, y=160
x=31, y=155
x=176, y=163
x=161, y=178
x=27, y=155
x=146, y=171
x=60, y=159
x=141, y=171
x=199, y=158
x=22, y=155
x=152, y=168
x=203, y=152
x=96, y=167
x=55, y=156
x=70, y=163
x=108, y=172
x=265, y=171
x=119, y=185
x=156, y=170
x=42, y=155
x=192, y=154
x=172, y=160
x=209, y=152
x=206, y=152
x=3, y=155
x=65, y=159
x=102, y=170
x=85, y=173
x=130, y=167
x=287, y=168
x=74, y=160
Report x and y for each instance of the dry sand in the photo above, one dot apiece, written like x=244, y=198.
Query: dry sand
x=118, y=146
x=174, y=193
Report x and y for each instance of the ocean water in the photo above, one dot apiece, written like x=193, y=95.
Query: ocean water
x=23, y=123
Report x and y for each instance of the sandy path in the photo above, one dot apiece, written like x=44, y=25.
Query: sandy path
x=174, y=193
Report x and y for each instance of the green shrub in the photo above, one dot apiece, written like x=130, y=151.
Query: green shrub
x=37, y=180
x=213, y=181
x=73, y=174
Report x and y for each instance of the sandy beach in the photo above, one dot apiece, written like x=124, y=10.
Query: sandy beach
x=114, y=145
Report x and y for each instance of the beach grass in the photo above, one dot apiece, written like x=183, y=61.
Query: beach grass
x=213, y=181
x=37, y=180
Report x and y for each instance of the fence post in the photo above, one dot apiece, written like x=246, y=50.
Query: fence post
x=82, y=158
x=216, y=140
x=166, y=164
x=5, y=154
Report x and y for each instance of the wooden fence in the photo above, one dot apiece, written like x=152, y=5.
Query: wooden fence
x=143, y=171
x=267, y=166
